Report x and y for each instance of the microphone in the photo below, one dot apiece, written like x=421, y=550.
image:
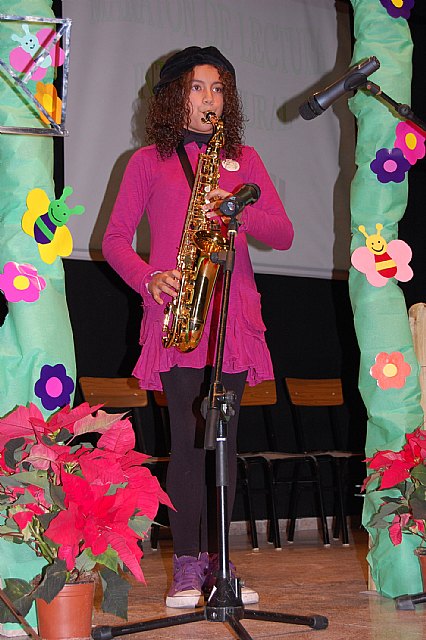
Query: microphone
x=247, y=194
x=354, y=77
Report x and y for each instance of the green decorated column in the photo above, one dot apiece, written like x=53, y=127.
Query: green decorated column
x=379, y=197
x=37, y=362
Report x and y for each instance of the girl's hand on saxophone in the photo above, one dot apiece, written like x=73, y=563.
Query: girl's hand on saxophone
x=164, y=282
x=213, y=202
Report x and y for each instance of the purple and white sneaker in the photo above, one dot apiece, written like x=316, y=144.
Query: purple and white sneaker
x=189, y=574
x=248, y=595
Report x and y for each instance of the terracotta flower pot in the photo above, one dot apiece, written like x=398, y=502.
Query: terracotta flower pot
x=421, y=554
x=69, y=614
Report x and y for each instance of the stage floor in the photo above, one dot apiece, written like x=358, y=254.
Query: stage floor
x=304, y=579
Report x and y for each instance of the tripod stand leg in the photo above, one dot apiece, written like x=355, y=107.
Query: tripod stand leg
x=315, y=622
x=105, y=633
x=408, y=603
x=238, y=628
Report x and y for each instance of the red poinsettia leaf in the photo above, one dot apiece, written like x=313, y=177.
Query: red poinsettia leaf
x=417, y=442
x=102, y=467
x=81, y=492
x=120, y=437
x=96, y=424
x=23, y=518
x=66, y=528
x=67, y=417
x=134, y=458
x=125, y=544
x=68, y=553
x=17, y=424
x=41, y=456
x=396, y=473
x=395, y=531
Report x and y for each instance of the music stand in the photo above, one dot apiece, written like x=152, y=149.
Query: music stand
x=225, y=603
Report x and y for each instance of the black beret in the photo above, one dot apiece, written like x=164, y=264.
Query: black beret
x=187, y=59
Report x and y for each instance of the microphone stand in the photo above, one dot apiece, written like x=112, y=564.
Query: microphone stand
x=402, y=110
x=225, y=603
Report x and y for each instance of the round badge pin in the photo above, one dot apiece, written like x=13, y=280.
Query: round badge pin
x=230, y=165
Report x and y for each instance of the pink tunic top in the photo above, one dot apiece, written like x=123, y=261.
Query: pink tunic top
x=159, y=189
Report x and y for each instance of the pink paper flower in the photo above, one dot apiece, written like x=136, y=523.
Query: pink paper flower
x=411, y=141
x=21, y=282
x=390, y=370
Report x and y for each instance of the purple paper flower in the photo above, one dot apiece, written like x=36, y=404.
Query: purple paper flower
x=411, y=141
x=390, y=165
x=54, y=387
x=21, y=282
x=398, y=8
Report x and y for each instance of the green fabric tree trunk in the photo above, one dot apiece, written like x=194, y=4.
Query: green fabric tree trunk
x=380, y=315
x=38, y=333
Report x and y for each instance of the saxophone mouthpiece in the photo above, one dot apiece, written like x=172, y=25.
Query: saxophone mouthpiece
x=209, y=116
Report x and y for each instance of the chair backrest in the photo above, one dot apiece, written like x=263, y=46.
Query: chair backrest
x=325, y=392
x=118, y=393
x=263, y=394
x=113, y=392
x=307, y=392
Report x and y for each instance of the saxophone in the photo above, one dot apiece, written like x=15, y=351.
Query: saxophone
x=186, y=314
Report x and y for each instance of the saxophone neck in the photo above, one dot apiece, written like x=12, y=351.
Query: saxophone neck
x=217, y=140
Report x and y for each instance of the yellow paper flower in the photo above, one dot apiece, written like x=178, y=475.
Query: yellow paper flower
x=48, y=97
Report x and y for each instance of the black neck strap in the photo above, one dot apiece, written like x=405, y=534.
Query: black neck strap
x=186, y=165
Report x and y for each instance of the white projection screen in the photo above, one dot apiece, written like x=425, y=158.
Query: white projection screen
x=283, y=51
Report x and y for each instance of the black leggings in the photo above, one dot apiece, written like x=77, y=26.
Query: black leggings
x=191, y=469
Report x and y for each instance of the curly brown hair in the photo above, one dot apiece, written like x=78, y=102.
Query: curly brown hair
x=169, y=114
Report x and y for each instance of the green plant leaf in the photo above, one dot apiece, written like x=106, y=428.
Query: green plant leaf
x=391, y=507
x=108, y=559
x=9, y=451
x=140, y=524
x=418, y=505
x=116, y=593
x=419, y=473
x=85, y=562
x=392, y=499
x=18, y=591
x=53, y=579
x=63, y=436
x=9, y=526
x=37, y=478
x=45, y=519
x=57, y=495
x=378, y=520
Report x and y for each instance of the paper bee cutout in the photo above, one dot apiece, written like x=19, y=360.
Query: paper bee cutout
x=45, y=222
x=380, y=261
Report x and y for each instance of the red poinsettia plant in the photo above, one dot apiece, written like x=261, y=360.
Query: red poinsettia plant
x=82, y=506
x=404, y=512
